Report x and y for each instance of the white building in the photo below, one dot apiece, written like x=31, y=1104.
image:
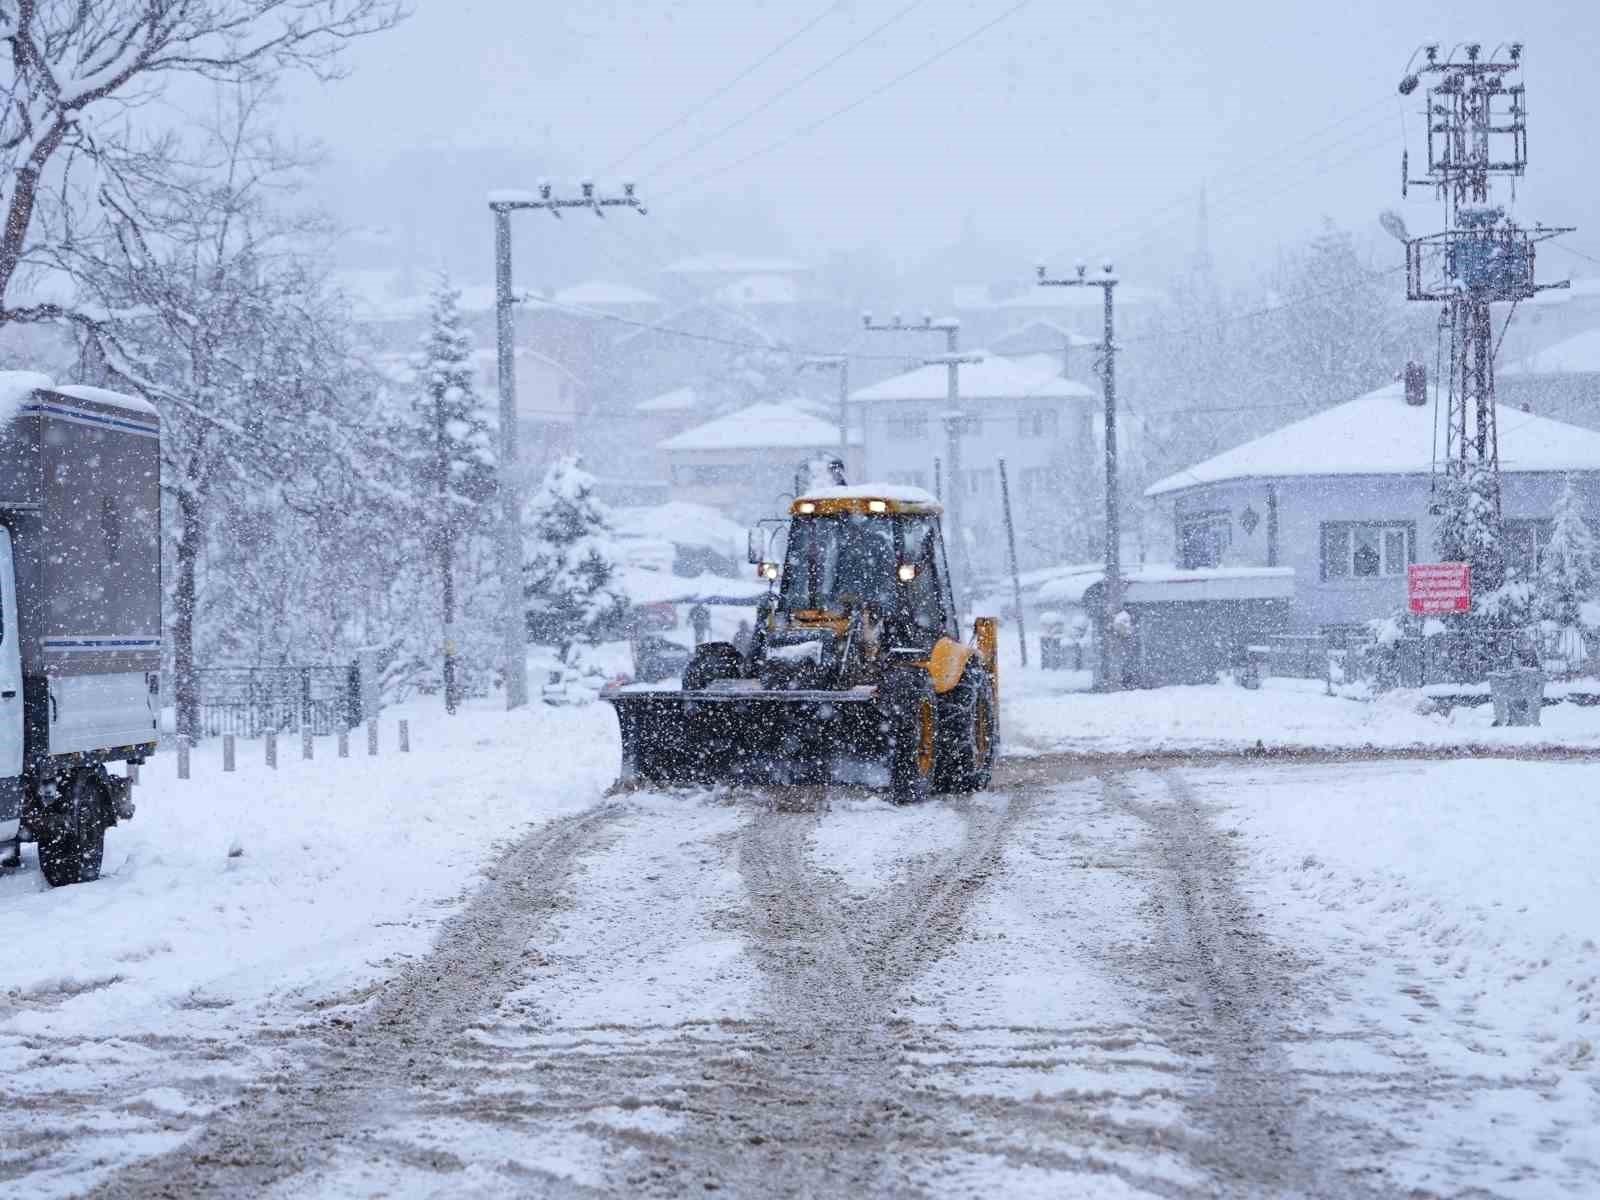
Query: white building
x=745, y=463
x=1041, y=424
x=1344, y=498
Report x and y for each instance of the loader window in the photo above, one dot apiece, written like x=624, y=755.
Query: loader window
x=924, y=594
x=833, y=557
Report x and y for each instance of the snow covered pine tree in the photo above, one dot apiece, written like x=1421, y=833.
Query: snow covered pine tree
x=1566, y=575
x=453, y=457
x=569, y=577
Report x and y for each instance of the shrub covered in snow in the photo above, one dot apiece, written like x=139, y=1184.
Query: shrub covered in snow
x=570, y=572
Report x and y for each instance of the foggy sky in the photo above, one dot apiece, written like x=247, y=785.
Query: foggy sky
x=1068, y=128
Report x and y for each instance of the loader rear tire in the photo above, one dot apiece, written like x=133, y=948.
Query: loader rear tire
x=73, y=842
x=910, y=714
x=712, y=661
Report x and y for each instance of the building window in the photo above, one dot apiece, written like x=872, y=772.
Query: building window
x=910, y=424
x=1203, y=539
x=1035, y=482
x=1037, y=423
x=1524, y=545
x=916, y=479
x=980, y=482
x=971, y=426
x=706, y=475
x=1367, y=549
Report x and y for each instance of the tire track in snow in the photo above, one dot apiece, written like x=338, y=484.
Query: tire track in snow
x=1225, y=989
x=295, y=1123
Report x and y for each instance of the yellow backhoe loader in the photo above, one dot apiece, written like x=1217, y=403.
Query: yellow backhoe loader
x=856, y=671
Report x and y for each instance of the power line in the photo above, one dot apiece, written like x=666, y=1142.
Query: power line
x=709, y=99
x=1573, y=250
x=807, y=130
x=1159, y=218
x=787, y=90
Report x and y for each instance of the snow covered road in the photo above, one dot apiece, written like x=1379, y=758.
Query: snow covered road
x=1201, y=981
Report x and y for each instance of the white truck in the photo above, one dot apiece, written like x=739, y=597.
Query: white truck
x=80, y=615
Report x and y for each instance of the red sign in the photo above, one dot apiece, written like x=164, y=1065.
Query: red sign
x=1437, y=588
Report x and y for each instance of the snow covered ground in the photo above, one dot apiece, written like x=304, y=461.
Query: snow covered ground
x=1049, y=711
x=233, y=902
x=470, y=970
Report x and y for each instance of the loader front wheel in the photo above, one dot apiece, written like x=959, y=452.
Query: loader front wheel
x=712, y=661
x=966, y=755
x=910, y=715
x=73, y=842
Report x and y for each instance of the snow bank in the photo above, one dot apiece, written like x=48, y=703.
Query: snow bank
x=1455, y=905
x=1044, y=712
x=339, y=864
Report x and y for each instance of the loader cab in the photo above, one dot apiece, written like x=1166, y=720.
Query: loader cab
x=880, y=553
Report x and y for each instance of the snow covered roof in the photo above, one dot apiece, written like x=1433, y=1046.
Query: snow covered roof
x=600, y=293
x=760, y=289
x=81, y=391
x=1166, y=583
x=682, y=524
x=759, y=427
x=992, y=379
x=677, y=400
x=734, y=264
x=1578, y=355
x=1040, y=334
x=1380, y=434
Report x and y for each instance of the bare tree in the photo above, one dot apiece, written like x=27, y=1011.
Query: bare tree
x=77, y=69
x=203, y=299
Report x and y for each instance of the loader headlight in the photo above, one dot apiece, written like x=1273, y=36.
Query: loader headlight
x=769, y=570
x=877, y=506
x=808, y=507
x=907, y=572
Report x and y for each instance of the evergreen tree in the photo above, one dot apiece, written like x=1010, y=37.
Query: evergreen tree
x=1469, y=527
x=569, y=577
x=453, y=459
x=1566, y=572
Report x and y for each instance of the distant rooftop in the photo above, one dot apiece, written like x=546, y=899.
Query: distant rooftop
x=735, y=264
x=1578, y=355
x=992, y=379
x=601, y=293
x=677, y=400
x=1380, y=434
x=759, y=427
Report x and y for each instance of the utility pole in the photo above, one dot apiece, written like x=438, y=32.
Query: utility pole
x=841, y=364
x=1110, y=647
x=1476, y=117
x=953, y=418
x=513, y=624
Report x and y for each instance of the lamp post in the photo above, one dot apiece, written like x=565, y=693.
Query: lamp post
x=513, y=626
x=1110, y=649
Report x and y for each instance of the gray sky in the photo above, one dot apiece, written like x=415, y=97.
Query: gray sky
x=1068, y=126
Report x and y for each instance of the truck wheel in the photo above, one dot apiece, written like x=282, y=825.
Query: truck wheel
x=712, y=661
x=967, y=735
x=73, y=843
x=910, y=713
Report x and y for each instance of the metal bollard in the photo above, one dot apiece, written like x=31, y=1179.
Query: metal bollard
x=183, y=756
x=305, y=743
x=405, y=737
x=372, y=736
x=272, y=749
x=344, y=743
x=227, y=752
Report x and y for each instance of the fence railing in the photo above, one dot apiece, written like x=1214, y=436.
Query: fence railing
x=251, y=701
x=1296, y=656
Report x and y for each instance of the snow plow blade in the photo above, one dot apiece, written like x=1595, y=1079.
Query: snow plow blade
x=737, y=731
